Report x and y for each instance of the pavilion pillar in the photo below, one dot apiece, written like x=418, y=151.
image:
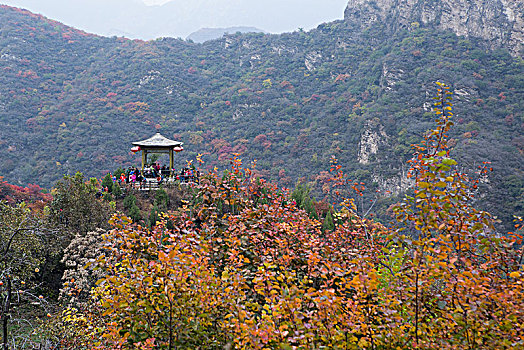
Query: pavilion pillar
x=144, y=158
x=171, y=159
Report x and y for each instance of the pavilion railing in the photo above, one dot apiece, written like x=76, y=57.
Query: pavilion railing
x=148, y=184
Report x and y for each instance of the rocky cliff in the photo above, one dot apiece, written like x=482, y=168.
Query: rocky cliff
x=500, y=22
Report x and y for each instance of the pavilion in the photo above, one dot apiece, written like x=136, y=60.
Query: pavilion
x=158, y=144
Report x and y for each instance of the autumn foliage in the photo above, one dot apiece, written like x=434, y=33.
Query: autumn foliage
x=32, y=195
x=242, y=267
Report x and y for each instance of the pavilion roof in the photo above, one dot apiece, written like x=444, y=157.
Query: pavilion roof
x=157, y=140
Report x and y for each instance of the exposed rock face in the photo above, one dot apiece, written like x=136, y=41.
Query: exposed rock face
x=312, y=59
x=372, y=138
x=393, y=186
x=391, y=76
x=151, y=75
x=501, y=22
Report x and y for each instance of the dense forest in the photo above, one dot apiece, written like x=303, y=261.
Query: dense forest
x=72, y=101
x=236, y=262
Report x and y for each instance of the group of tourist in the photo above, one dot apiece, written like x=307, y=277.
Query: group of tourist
x=131, y=175
x=188, y=175
x=155, y=171
x=135, y=176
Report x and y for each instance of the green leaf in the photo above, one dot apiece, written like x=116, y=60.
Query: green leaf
x=449, y=161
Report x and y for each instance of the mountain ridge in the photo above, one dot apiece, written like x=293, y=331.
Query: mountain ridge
x=500, y=22
x=181, y=18
x=205, y=34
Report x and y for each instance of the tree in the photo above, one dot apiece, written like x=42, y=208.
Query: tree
x=328, y=224
x=161, y=199
x=25, y=243
x=80, y=276
x=163, y=296
x=132, y=209
x=154, y=215
x=107, y=182
x=115, y=190
x=75, y=205
x=302, y=196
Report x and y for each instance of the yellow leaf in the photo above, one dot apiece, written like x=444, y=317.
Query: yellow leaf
x=363, y=343
x=514, y=274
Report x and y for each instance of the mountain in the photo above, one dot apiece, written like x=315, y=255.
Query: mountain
x=355, y=89
x=179, y=18
x=499, y=22
x=206, y=34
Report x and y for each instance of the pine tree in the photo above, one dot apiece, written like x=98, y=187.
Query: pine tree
x=134, y=213
x=161, y=199
x=154, y=215
x=107, y=182
x=129, y=202
x=115, y=189
x=328, y=224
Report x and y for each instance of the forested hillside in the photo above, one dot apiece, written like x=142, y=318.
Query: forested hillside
x=72, y=101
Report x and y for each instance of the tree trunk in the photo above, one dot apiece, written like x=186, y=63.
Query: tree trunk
x=6, y=315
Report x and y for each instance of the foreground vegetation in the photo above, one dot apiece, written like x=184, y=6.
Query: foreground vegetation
x=239, y=265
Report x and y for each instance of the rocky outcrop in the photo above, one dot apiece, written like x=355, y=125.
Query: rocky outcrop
x=149, y=77
x=371, y=139
x=312, y=60
x=500, y=22
x=395, y=185
x=390, y=76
